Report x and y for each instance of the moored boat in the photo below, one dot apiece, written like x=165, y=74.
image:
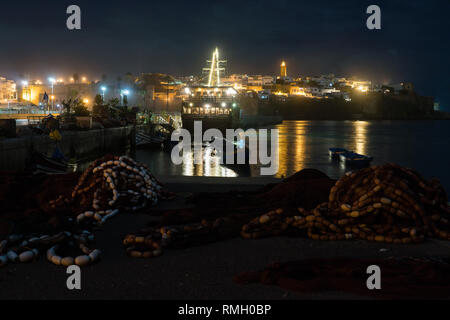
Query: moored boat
x=355, y=159
x=40, y=163
x=336, y=152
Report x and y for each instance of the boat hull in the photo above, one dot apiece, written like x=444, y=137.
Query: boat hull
x=208, y=122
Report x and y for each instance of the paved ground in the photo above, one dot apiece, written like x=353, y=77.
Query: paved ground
x=203, y=272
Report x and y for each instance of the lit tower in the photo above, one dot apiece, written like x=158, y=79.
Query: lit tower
x=215, y=69
x=283, y=69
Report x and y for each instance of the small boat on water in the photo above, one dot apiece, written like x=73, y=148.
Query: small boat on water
x=40, y=163
x=355, y=159
x=350, y=158
x=336, y=152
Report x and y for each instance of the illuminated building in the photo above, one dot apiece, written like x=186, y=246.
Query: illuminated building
x=7, y=91
x=283, y=70
x=161, y=92
x=34, y=92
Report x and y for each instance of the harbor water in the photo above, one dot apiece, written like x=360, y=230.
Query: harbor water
x=422, y=145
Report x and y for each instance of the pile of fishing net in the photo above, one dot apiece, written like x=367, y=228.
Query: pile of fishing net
x=64, y=225
x=385, y=203
x=217, y=216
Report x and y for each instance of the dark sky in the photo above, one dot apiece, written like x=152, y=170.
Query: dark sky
x=314, y=36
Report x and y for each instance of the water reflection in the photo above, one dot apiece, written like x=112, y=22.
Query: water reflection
x=208, y=164
x=304, y=144
x=291, y=147
x=360, y=141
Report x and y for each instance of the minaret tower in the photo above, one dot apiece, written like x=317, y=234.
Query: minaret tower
x=283, y=70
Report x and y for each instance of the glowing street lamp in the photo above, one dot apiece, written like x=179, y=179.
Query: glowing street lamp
x=52, y=81
x=123, y=94
x=103, y=88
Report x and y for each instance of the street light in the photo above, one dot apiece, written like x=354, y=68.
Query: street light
x=103, y=88
x=52, y=81
x=123, y=94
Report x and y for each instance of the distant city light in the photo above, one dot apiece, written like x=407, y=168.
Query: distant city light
x=51, y=80
x=234, y=104
x=126, y=92
x=362, y=89
x=191, y=104
x=86, y=101
x=231, y=91
x=25, y=83
x=187, y=90
x=103, y=88
x=83, y=79
x=207, y=106
x=224, y=104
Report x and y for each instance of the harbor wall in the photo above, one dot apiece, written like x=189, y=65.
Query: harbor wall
x=256, y=121
x=14, y=152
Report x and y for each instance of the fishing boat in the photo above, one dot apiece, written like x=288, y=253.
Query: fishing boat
x=212, y=103
x=355, y=159
x=40, y=163
x=336, y=152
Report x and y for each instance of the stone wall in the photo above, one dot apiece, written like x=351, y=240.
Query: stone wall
x=74, y=144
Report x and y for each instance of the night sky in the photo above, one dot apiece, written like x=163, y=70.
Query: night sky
x=315, y=37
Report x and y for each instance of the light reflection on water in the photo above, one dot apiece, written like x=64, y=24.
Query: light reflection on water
x=423, y=145
x=360, y=128
x=209, y=166
x=292, y=147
